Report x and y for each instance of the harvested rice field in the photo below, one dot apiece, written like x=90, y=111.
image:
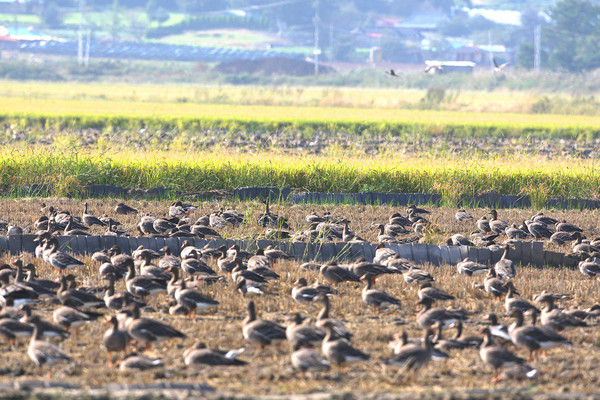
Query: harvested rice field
x=268, y=372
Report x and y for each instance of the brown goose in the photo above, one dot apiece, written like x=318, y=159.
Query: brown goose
x=462, y=215
x=302, y=293
x=261, y=331
x=496, y=328
x=430, y=316
x=124, y=209
x=557, y=319
x=138, y=362
x=339, y=329
x=483, y=224
x=336, y=274
x=259, y=260
x=147, y=330
x=49, y=330
x=304, y=360
x=496, y=356
x=459, y=240
x=533, y=338
x=200, y=354
x=114, y=340
x=142, y=286
x=589, y=268
x=417, y=275
x=195, y=267
x=382, y=253
x=434, y=293
x=470, y=268
x=497, y=225
x=168, y=260
x=57, y=259
x=339, y=351
x=414, y=357
x=89, y=219
x=361, y=267
x=494, y=285
x=41, y=352
x=69, y=317
x=71, y=231
x=511, y=302
x=76, y=298
x=505, y=268
x=224, y=262
x=306, y=335
x=376, y=298
x=193, y=300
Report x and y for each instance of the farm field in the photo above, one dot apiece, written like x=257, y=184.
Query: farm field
x=268, y=372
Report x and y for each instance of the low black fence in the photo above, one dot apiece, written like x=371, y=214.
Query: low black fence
x=525, y=253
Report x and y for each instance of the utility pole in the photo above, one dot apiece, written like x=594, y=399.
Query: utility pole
x=316, y=51
x=87, y=48
x=537, y=48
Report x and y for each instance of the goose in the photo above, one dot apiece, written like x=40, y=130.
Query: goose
x=235, y=251
x=179, y=209
x=557, y=319
x=459, y=240
x=505, y=268
x=414, y=357
x=376, y=298
x=564, y=226
x=398, y=219
x=193, y=300
x=497, y=225
x=147, y=330
x=11, y=329
x=101, y=256
x=339, y=329
x=76, y=298
x=68, y=317
x=434, y=293
x=470, y=268
x=298, y=333
x=247, y=288
x=169, y=260
x=41, y=287
x=497, y=329
x=397, y=264
x=589, y=268
x=384, y=237
x=196, y=267
x=200, y=354
x=224, y=262
x=417, y=275
x=137, y=362
x=124, y=209
x=142, y=286
x=513, y=232
x=560, y=238
x=16, y=293
x=428, y=317
x=71, y=231
x=114, y=340
x=276, y=254
x=362, y=267
x=116, y=301
x=511, y=302
x=339, y=351
x=483, y=224
x=261, y=331
x=538, y=229
x=450, y=343
x=462, y=215
x=270, y=219
x=580, y=246
x=414, y=210
x=304, y=360
x=382, y=253
x=468, y=341
x=483, y=239
x=57, y=259
x=146, y=225
x=89, y=219
x=49, y=330
x=533, y=338
x=250, y=276
x=162, y=225
x=544, y=219
x=302, y=293
x=332, y=272
x=259, y=260
x=496, y=356
x=42, y=352
x=494, y=285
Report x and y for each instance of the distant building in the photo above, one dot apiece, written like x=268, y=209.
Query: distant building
x=23, y=33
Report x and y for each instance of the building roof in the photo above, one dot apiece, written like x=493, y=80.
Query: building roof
x=421, y=21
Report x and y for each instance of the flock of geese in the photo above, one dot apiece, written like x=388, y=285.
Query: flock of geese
x=146, y=276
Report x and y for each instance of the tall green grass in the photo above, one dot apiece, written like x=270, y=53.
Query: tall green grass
x=66, y=171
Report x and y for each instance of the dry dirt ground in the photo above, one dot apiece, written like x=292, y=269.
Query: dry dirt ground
x=570, y=369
